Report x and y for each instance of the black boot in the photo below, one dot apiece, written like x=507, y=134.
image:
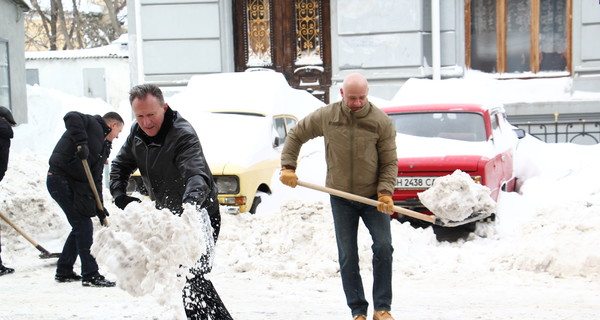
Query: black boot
x=97, y=281
x=67, y=277
x=4, y=270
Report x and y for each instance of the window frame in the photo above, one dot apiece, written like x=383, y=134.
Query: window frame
x=8, y=82
x=501, y=35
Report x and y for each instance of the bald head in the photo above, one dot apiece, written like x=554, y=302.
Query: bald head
x=354, y=91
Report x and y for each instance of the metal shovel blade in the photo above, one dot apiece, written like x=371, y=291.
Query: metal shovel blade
x=45, y=254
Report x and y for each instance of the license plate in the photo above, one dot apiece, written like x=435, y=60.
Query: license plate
x=414, y=182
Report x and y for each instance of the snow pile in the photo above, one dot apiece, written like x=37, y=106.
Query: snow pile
x=553, y=226
x=149, y=250
x=25, y=201
x=456, y=196
x=297, y=242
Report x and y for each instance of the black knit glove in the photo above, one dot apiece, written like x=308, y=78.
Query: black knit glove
x=102, y=216
x=82, y=151
x=123, y=200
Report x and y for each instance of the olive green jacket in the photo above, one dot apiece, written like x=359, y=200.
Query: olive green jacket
x=360, y=147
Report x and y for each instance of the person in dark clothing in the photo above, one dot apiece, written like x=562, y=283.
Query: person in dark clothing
x=88, y=137
x=166, y=150
x=6, y=133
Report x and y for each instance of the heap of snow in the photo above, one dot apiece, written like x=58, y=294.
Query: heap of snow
x=456, y=196
x=150, y=251
x=25, y=201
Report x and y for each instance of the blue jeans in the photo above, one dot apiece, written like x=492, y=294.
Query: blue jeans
x=346, y=215
x=80, y=239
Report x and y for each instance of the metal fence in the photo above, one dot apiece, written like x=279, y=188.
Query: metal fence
x=586, y=132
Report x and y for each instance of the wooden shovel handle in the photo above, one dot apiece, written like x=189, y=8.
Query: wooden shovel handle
x=88, y=173
x=365, y=200
x=19, y=230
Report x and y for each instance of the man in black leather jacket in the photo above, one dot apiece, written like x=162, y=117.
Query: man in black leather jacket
x=166, y=150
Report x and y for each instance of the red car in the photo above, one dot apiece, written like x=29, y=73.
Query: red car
x=434, y=140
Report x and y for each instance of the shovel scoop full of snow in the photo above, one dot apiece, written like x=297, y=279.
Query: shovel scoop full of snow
x=456, y=197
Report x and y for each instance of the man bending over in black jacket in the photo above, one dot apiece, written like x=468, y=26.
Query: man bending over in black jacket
x=166, y=149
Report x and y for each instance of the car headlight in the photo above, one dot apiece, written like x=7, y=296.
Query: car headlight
x=227, y=184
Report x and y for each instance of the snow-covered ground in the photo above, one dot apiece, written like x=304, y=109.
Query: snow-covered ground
x=538, y=260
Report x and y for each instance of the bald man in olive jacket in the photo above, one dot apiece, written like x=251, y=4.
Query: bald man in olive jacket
x=360, y=150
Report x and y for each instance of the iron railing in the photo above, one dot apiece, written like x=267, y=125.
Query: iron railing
x=586, y=132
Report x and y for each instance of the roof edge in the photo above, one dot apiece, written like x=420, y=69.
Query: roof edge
x=22, y=4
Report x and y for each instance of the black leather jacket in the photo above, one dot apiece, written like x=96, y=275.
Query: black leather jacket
x=172, y=165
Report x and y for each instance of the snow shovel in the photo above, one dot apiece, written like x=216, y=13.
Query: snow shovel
x=45, y=254
x=88, y=173
x=414, y=214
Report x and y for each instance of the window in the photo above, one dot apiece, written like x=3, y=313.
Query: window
x=290, y=123
x=465, y=126
x=4, y=75
x=291, y=37
x=279, y=131
x=516, y=36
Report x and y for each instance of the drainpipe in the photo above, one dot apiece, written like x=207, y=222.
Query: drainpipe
x=435, y=39
x=139, y=42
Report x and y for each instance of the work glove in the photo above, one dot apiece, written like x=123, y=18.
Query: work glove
x=102, y=217
x=123, y=200
x=289, y=177
x=82, y=151
x=386, y=204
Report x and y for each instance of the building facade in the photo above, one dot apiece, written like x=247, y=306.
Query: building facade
x=13, y=93
x=316, y=43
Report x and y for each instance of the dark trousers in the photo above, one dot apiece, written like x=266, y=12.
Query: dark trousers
x=202, y=302
x=80, y=238
x=346, y=216
x=200, y=298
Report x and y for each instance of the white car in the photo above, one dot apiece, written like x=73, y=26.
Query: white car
x=242, y=120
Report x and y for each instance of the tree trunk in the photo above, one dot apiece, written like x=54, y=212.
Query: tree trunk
x=112, y=15
x=62, y=23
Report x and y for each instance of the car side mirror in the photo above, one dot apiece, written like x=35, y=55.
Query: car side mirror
x=520, y=133
x=276, y=142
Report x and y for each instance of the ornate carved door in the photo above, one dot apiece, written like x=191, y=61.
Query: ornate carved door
x=291, y=37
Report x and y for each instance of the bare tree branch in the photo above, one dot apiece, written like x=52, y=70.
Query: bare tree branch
x=60, y=27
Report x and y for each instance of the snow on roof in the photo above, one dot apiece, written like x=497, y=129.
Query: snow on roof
x=484, y=88
x=426, y=91
x=260, y=92
x=116, y=50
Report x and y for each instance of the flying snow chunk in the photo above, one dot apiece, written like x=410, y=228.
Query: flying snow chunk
x=456, y=196
x=149, y=251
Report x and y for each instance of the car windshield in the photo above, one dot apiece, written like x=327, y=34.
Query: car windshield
x=465, y=126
